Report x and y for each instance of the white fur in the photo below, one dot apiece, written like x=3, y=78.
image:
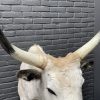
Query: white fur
x=66, y=83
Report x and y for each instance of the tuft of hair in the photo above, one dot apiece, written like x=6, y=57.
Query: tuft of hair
x=5, y=44
x=29, y=74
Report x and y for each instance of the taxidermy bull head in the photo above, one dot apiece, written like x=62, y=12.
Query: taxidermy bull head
x=44, y=77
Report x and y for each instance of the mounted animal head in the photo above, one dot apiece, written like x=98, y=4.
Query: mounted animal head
x=44, y=77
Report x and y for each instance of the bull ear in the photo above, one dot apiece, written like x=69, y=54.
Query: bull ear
x=86, y=64
x=29, y=74
x=35, y=59
x=88, y=47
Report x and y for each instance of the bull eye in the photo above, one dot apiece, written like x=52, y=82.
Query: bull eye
x=51, y=91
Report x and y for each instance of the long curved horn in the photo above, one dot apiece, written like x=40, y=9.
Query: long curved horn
x=89, y=46
x=37, y=60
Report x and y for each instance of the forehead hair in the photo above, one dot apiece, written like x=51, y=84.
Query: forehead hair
x=64, y=61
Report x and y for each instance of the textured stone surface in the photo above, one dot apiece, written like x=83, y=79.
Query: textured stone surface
x=59, y=26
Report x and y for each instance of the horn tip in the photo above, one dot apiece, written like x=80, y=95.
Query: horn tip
x=5, y=43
